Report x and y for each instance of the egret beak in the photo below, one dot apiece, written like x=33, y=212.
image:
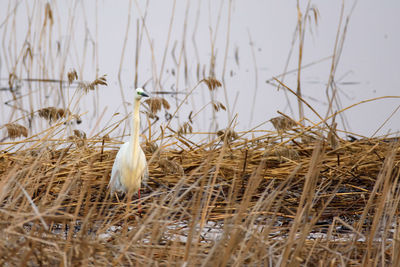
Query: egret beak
x=144, y=94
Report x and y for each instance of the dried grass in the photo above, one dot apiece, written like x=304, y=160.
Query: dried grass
x=267, y=199
x=286, y=198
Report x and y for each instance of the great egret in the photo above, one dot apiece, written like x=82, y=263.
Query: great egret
x=130, y=164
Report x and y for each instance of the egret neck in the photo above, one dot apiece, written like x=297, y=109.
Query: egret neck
x=134, y=139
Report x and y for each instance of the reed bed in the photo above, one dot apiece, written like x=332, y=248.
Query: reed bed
x=297, y=196
x=285, y=197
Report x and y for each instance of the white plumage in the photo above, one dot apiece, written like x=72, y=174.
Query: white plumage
x=130, y=165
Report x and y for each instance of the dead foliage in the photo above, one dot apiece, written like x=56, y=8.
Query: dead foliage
x=213, y=204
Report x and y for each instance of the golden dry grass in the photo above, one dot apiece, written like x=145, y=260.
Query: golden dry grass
x=300, y=196
x=265, y=202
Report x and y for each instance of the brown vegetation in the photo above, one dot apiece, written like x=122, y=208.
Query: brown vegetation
x=298, y=196
x=250, y=201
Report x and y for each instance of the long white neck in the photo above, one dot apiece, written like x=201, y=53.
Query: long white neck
x=135, y=128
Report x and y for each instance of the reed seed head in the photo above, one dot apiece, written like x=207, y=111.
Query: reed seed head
x=156, y=103
x=53, y=113
x=91, y=86
x=212, y=83
x=218, y=105
x=283, y=123
x=72, y=75
x=185, y=128
x=230, y=134
x=15, y=130
x=80, y=134
x=170, y=166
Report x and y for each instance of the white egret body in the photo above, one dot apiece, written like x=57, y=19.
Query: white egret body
x=130, y=164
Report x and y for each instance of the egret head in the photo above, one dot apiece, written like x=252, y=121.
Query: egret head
x=139, y=93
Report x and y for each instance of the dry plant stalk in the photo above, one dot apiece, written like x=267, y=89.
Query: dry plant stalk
x=48, y=14
x=11, y=80
x=15, y=130
x=332, y=136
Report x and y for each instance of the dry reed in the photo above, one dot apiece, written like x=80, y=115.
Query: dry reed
x=290, y=197
x=269, y=202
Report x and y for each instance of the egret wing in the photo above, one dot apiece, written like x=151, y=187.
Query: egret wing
x=115, y=180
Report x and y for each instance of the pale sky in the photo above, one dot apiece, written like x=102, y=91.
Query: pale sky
x=369, y=64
